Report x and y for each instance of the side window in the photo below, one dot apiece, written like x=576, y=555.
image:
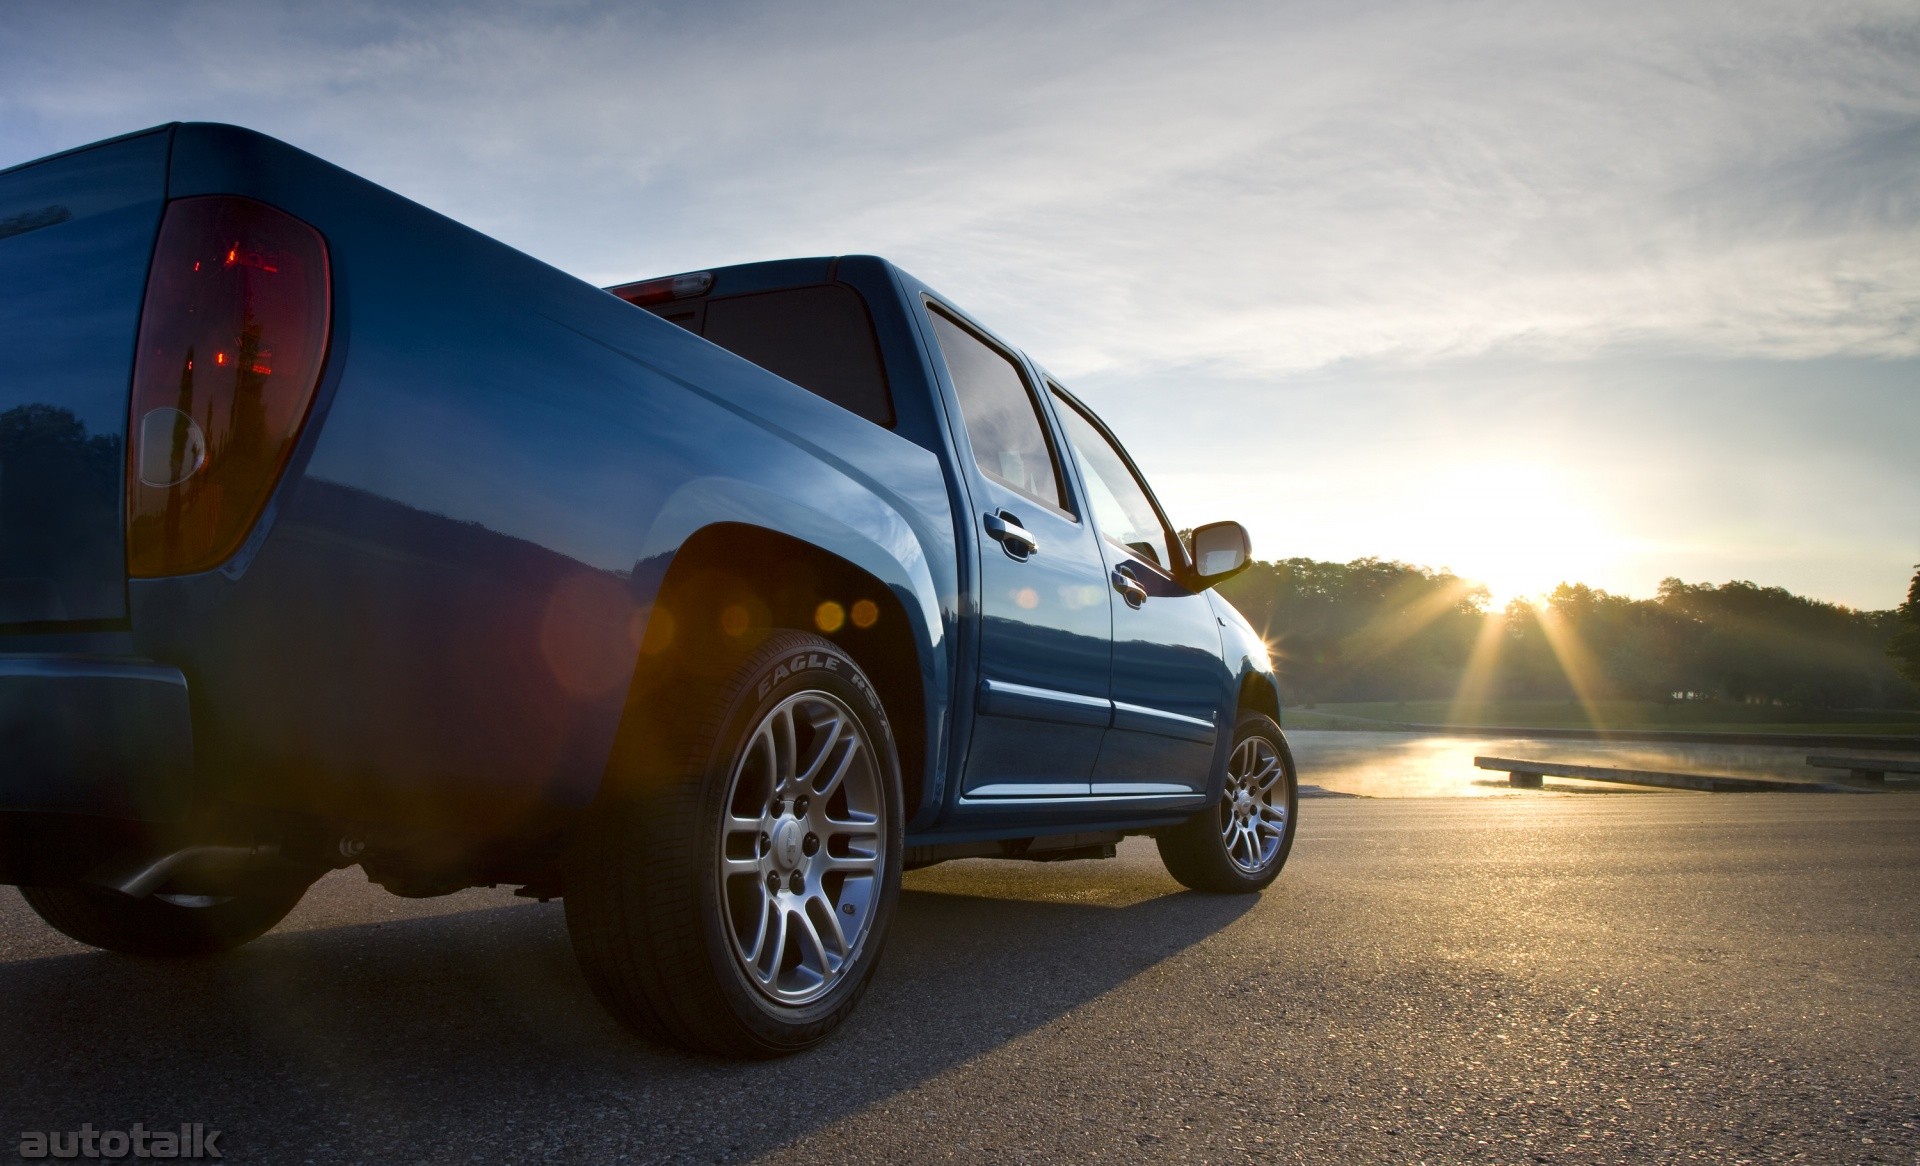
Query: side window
x=1002, y=415
x=1122, y=510
x=820, y=338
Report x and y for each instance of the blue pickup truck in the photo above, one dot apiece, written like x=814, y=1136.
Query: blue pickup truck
x=333, y=533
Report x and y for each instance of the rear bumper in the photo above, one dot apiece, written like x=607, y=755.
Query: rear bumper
x=104, y=738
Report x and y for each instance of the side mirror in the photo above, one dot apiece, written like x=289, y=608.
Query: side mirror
x=1220, y=549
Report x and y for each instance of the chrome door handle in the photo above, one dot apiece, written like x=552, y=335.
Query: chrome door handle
x=1006, y=530
x=1129, y=587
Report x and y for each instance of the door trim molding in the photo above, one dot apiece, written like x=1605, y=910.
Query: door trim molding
x=1141, y=719
x=1001, y=698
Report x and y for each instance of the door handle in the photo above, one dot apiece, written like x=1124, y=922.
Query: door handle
x=1129, y=587
x=1006, y=530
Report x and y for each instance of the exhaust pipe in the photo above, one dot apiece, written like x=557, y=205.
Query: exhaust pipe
x=213, y=862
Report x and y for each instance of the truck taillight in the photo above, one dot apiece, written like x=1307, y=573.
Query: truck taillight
x=232, y=338
x=669, y=287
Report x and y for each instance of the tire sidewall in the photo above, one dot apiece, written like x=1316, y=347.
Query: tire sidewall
x=784, y=667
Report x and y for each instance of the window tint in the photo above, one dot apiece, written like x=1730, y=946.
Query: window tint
x=1121, y=508
x=1002, y=416
x=820, y=338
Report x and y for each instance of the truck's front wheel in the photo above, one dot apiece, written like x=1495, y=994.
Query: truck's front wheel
x=737, y=903
x=1238, y=845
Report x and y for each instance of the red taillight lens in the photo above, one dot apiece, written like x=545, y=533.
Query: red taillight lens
x=231, y=341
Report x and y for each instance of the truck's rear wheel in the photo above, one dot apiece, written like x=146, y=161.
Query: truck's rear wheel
x=1238, y=844
x=737, y=905
x=163, y=925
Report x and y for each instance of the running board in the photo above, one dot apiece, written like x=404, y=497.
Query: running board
x=1050, y=848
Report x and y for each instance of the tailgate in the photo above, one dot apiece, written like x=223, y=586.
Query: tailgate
x=76, y=234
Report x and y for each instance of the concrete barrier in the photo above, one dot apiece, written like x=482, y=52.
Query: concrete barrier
x=1528, y=774
x=1873, y=769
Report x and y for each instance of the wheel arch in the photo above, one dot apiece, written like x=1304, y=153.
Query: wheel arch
x=1259, y=694
x=730, y=583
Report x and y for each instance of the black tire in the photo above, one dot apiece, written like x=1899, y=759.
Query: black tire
x=157, y=926
x=659, y=922
x=1197, y=851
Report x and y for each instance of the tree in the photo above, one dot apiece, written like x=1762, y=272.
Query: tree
x=1373, y=630
x=1904, y=647
x=1366, y=630
x=1770, y=646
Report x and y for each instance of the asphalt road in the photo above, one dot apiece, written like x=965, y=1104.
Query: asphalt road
x=1632, y=978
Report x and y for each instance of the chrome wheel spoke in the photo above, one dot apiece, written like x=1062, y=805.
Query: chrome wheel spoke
x=822, y=755
x=847, y=757
x=851, y=863
x=769, y=755
x=1249, y=846
x=813, y=949
x=834, y=931
x=1262, y=781
x=771, y=940
x=786, y=751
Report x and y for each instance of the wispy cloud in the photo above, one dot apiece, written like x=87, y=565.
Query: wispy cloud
x=1260, y=188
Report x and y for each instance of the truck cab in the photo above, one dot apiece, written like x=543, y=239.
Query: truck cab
x=1097, y=667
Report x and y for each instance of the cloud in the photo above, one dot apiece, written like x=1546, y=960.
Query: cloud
x=1252, y=189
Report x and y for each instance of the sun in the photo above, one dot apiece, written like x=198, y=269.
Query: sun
x=1518, y=528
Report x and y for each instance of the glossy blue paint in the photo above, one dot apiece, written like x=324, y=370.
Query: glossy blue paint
x=76, y=233
x=438, y=619
x=1171, y=689
x=1041, y=624
x=446, y=612
x=109, y=738
x=1246, y=655
x=1167, y=681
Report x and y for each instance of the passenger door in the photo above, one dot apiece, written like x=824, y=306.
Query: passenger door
x=1169, y=686
x=1045, y=626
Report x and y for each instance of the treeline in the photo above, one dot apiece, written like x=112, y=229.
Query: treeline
x=1375, y=630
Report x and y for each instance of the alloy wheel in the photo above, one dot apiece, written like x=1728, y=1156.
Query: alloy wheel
x=803, y=848
x=1253, y=809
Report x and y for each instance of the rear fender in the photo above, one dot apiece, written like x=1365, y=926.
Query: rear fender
x=851, y=525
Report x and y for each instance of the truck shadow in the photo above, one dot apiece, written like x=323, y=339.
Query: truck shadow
x=442, y=1036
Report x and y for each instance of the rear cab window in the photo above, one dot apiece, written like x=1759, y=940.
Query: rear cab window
x=820, y=337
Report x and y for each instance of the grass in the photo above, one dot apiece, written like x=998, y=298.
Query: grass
x=1699, y=716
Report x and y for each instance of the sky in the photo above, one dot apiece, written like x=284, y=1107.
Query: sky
x=1601, y=292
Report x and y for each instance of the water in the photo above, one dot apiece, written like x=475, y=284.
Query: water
x=1417, y=765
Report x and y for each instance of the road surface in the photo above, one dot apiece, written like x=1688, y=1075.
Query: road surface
x=1636, y=977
